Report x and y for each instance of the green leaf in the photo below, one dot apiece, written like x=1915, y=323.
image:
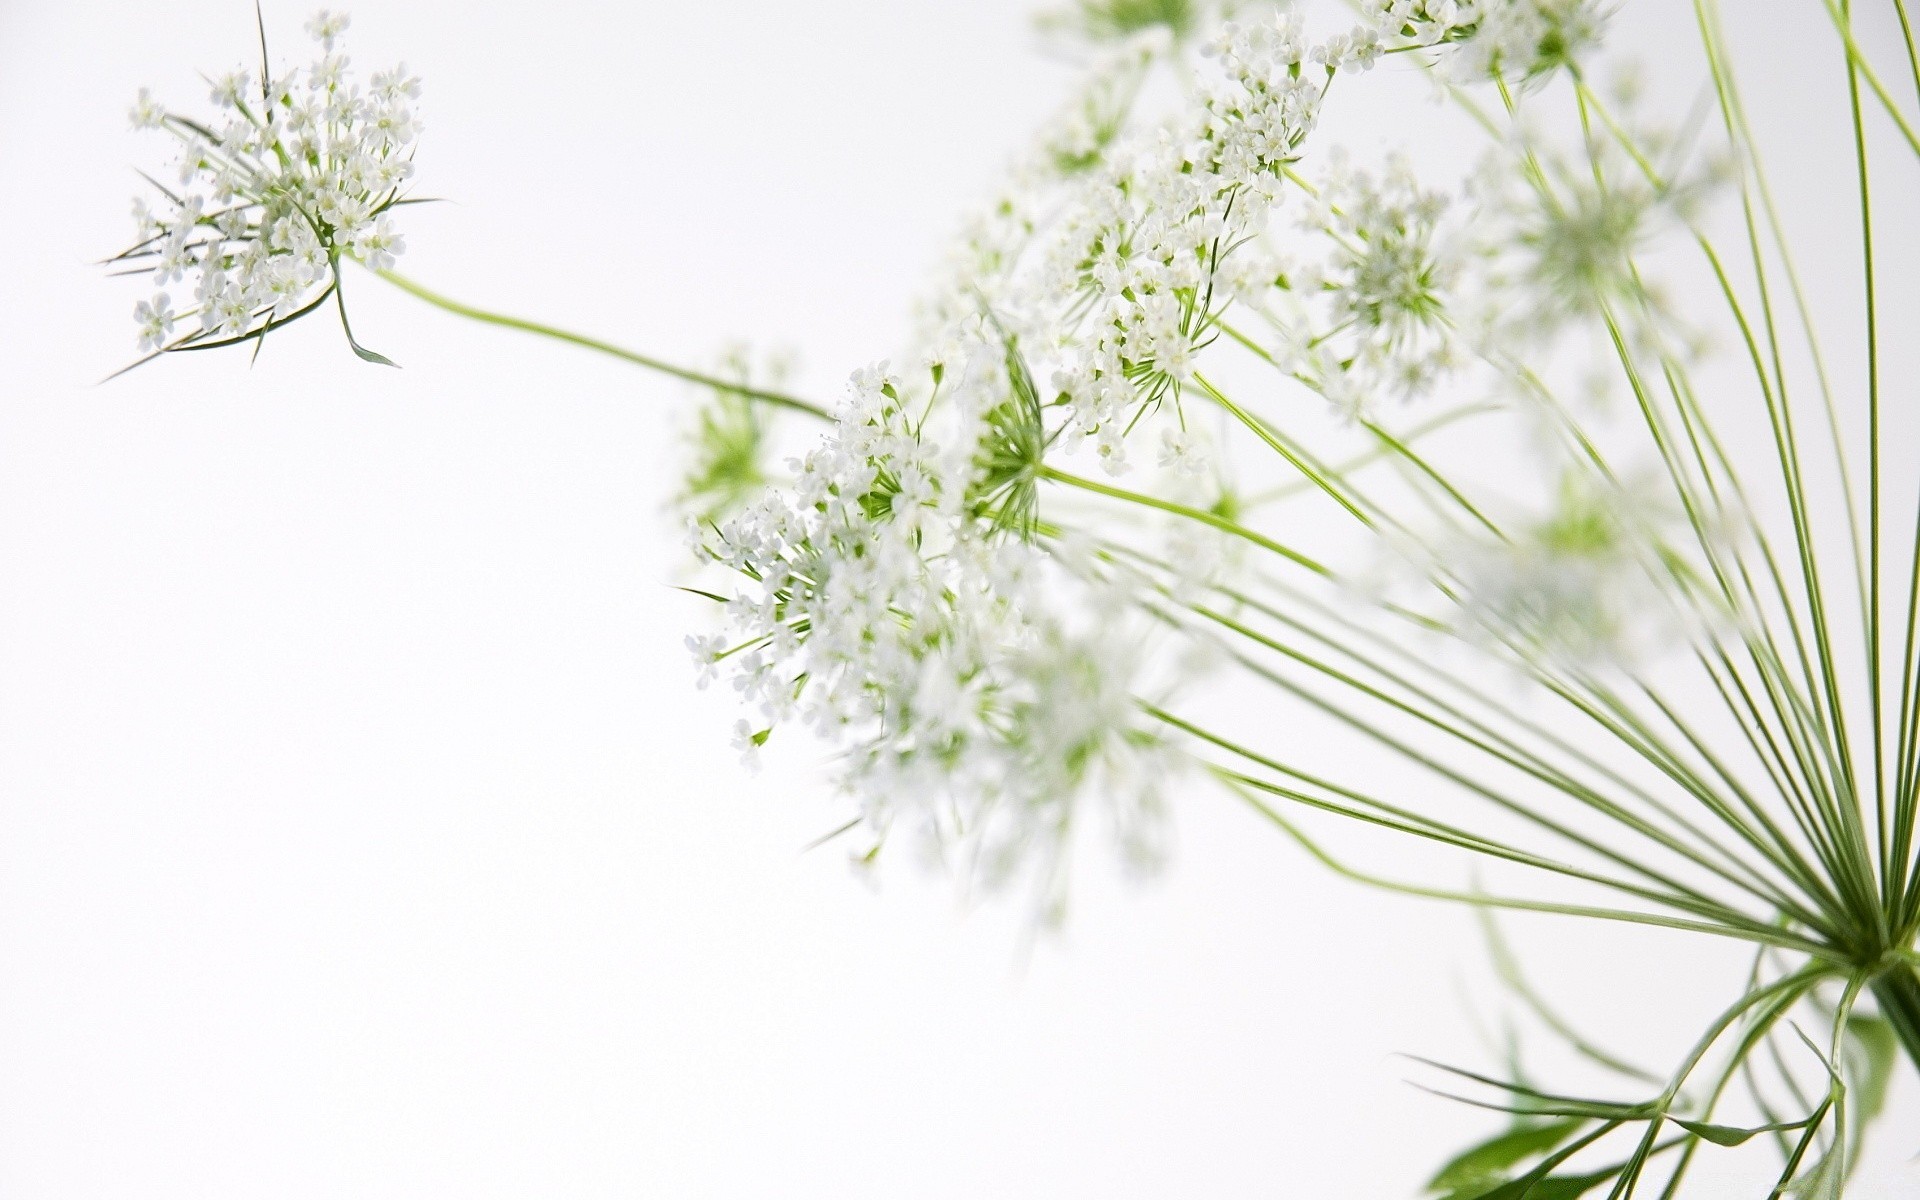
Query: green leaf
x=370, y=355
x=1485, y=1162
x=340, y=298
x=1553, y=1108
x=1556, y=1187
x=1879, y=1049
x=1823, y=1182
x=1553, y=1187
x=1734, y=1135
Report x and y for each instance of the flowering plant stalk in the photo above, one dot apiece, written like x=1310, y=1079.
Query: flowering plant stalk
x=1658, y=666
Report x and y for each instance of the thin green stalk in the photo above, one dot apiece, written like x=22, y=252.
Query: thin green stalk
x=1759, y=1031
x=1884, y=832
x=1790, y=865
x=1678, y=476
x=1369, y=457
x=1646, y=745
x=1244, y=786
x=652, y=364
x=1858, y=59
x=1758, y=643
x=1681, y=896
x=1214, y=520
x=1778, y=408
x=1793, y=986
x=1427, y=469
x=1307, y=469
x=1898, y=992
x=1524, y=763
x=1906, y=35
x=1478, y=736
x=1322, y=478
x=1814, y=884
x=1741, y=136
x=1506, y=965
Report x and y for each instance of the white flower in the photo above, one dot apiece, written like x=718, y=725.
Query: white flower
x=1514, y=39
x=324, y=26
x=393, y=125
x=146, y=112
x=747, y=741
x=283, y=285
x=230, y=88
x=229, y=313
x=270, y=199
x=706, y=651
x=378, y=245
x=1179, y=453
x=1114, y=268
x=176, y=257
x=327, y=74
x=1366, y=306
x=145, y=224
x=1588, y=584
x=392, y=84
x=155, y=318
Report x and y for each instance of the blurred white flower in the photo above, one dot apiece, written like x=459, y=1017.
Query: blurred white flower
x=979, y=686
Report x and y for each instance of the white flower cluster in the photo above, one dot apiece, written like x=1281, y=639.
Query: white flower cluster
x=1118, y=271
x=990, y=265
x=1149, y=257
x=1368, y=315
x=983, y=691
x=1567, y=227
x=1513, y=39
x=1587, y=584
x=296, y=170
x=1526, y=39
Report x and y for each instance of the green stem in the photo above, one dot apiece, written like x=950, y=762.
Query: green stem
x=1342, y=469
x=1182, y=510
x=1859, y=60
x=1898, y=991
x=577, y=339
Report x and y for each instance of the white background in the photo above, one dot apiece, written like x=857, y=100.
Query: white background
x=361, y=831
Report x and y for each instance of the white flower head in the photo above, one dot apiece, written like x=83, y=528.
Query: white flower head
x=1180, y=453
x=146, y=113
x=377, y=244
x=155, y=318
x=326, y=25
x=747, y=742
x=229, y=89
x=978, y=685
x=276, y=189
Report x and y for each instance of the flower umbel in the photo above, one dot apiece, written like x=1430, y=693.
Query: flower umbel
x=290, y=173
x=1628, y=677
x=980, y=686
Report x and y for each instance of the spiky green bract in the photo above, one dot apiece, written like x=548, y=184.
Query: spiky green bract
x=1013, y=449
x=729, y=464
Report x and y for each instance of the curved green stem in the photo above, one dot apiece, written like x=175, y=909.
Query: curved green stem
x=1182, y=510
x=653, y=364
